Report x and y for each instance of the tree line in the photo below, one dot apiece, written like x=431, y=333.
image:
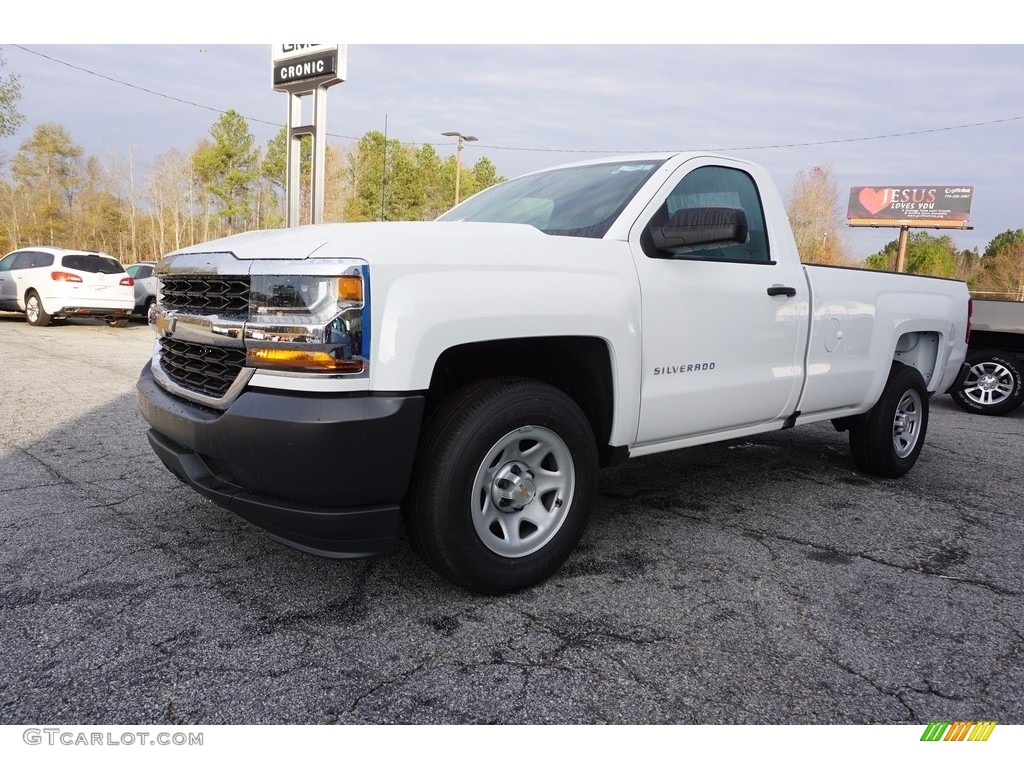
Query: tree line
x=52, y=193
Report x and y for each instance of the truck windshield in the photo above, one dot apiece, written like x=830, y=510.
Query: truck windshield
x=581, y=201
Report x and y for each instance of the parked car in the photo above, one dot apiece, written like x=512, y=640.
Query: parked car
x=145, y=285
x=48, y=283
x=995, y=384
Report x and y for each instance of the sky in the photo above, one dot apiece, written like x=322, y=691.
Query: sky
x=874, y=101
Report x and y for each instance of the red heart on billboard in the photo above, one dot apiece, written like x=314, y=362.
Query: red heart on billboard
x=873, y=200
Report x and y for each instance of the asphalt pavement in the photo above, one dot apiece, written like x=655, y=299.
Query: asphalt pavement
x=759, y=581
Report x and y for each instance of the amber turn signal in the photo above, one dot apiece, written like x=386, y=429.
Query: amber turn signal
x=350, y=288
x=301, y=359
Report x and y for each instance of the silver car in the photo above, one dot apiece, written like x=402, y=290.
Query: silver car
x=145, y=285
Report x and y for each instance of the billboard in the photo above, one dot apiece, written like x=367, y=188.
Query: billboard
x=934, y=206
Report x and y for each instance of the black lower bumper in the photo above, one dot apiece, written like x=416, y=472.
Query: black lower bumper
x=324, y=473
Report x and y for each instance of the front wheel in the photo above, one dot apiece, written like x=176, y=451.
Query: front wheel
x=993, y=385
x=890, y=438
x=503, y=486
x=118, y=322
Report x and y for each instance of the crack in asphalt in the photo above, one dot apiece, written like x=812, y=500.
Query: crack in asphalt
x=797, y=602
x=862, y=555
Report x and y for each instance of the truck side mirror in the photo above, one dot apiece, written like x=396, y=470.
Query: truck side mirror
x=691, y=228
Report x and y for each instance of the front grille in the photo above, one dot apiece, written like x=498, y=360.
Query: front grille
x=206, y=294
x=209, y=371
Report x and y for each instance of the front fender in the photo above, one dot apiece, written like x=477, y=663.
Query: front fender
x=419, y=314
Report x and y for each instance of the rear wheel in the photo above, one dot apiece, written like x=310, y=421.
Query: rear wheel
x=889, y=439
x=503, y=485
x=34, y=312
x=993, y=386
x=118, y=322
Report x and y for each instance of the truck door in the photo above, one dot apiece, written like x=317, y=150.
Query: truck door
x=723, y=328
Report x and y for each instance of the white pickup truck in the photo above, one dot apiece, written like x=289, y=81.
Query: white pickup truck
x=470, y=375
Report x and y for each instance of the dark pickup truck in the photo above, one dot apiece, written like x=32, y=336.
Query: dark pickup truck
x=995, y=354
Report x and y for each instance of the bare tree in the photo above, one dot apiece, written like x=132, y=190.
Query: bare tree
x=171, y=192
x=10, y=93
x=9, y=231
x=815, y=214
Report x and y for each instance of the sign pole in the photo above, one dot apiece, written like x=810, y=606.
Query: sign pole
x=901, y=251
x=319, y=154
x=294, y=159
x=303, y=69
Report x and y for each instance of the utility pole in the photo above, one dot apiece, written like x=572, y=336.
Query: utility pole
x=458, y=157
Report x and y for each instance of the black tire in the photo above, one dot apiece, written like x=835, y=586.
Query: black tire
x=993, y=386
x=118, y=322
x=887, y=442
x=503, y=485
x=34, y=312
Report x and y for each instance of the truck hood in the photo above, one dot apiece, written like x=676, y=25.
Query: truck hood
x=369, y=241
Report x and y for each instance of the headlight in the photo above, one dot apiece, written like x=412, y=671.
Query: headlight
x=310, y=323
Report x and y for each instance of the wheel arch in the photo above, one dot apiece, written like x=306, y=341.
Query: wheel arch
x=920, y=350
x=579, y=366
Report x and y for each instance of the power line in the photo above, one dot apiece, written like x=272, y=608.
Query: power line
x=792, y=145
x=768, y=146
x=137, y=87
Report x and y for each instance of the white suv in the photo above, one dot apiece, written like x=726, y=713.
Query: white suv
x=47, y=283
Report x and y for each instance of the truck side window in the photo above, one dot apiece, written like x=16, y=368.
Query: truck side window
x=719, y=187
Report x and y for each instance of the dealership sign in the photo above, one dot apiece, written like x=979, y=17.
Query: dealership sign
x=297, y=63
x=934, y=206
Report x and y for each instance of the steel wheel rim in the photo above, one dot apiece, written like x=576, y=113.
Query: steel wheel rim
x=906, y=425
x=988, y=383
x=522, y=491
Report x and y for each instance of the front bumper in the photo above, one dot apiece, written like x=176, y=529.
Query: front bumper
x=323, y=473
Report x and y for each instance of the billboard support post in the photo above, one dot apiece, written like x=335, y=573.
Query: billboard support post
x=307, y=70
x=901, y=251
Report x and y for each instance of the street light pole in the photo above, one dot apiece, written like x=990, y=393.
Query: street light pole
x=458, y=157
